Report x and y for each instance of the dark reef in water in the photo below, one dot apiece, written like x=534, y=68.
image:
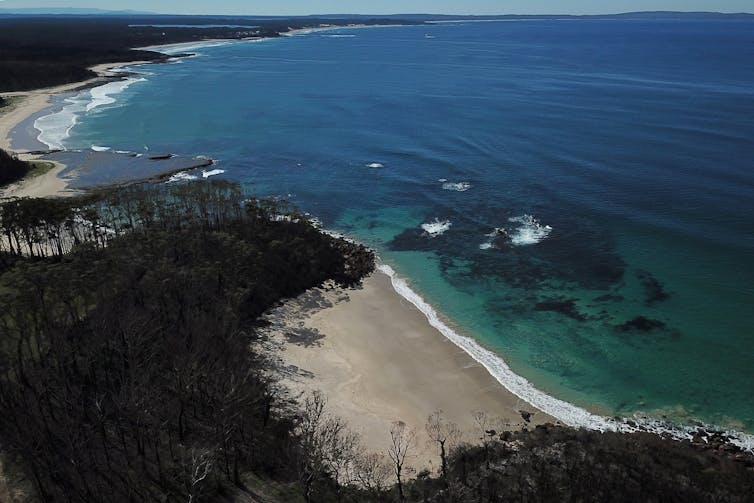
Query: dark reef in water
x=578, y=252
x=416, y=239
x=654, y=291
x=561, y=305
x=609, y=298
x=641, y=324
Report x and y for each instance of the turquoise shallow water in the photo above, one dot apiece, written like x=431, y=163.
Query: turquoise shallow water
x=629, y=144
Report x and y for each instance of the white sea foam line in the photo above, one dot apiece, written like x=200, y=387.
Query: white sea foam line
x=56, y=127
x=212, y=172
x=182, y=177
x=565, y=412
x=519, y=386
x=102, y=95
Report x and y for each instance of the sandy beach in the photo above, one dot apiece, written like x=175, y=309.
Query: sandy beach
x=28, y=103
x=378, y=360
x=31, y=102
x=50, y=184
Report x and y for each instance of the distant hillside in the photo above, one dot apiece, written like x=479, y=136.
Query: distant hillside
x=71, y=12
x=627, y=15
x=47, y=50
x=207, y=19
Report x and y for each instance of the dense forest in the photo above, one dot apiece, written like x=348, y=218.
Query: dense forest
x=43, y=51
x=130, y=366
x=11, y=169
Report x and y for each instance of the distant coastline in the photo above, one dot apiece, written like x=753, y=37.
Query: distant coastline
x=27, y=104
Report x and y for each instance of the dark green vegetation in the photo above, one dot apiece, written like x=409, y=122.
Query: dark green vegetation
x=43, y=51
x=130, y=366
x=553, y=463
x=11, y=169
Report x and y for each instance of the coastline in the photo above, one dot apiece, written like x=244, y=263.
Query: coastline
x=51, y=184
x=378, y=360
x=34, y=101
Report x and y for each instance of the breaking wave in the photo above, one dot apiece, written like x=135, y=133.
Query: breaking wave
x=103, y=95
x=212, y=172
x=458, y=187
x=436, y=228
x=182, y=177
x=529, y=232
x=56, y=127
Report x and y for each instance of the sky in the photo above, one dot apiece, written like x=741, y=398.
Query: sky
x=303, y=7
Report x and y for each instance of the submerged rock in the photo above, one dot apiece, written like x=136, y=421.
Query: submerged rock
x=642, y=324
x=654, y=291
x=563, y=306
x=609, y=298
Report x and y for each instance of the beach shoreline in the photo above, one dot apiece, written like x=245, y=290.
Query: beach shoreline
x=378, y=360
x=32, y=102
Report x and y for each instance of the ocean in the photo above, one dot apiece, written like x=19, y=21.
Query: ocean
x=576, y=196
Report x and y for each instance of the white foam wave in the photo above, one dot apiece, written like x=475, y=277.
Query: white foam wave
x=212, y=172
x=56, y=127
x=182, y=177
x=123, y=152
x=375, y=165
x=97, y=148
x=565, y=412
x=103, y=95
x=458, y=187
x=530, y=231
x=436, y=228
x=442, y=180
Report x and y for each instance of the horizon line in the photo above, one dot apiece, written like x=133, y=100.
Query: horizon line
x=94, y=11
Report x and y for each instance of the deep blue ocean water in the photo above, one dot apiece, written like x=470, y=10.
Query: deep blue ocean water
x=614, y=158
